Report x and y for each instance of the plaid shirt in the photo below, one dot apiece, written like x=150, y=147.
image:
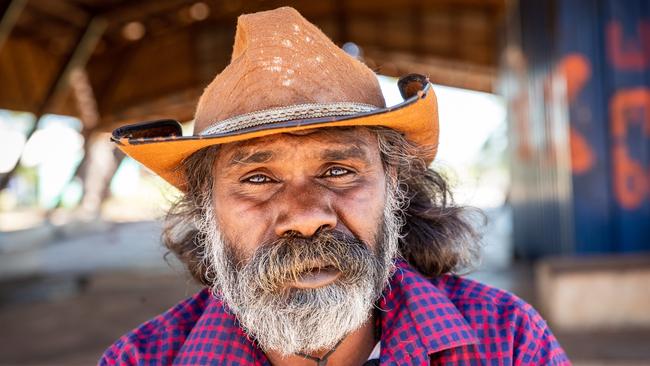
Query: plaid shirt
x=445, y=321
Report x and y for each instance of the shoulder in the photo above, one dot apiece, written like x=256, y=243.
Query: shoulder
x=502, y=321
x=159, y=338
x=463, y=291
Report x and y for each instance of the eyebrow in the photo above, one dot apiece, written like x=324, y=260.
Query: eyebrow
x=351, y=152
x=245, y=157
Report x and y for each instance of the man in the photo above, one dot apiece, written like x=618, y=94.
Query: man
x=310, y=215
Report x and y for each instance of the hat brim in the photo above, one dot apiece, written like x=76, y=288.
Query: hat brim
x=160, y=147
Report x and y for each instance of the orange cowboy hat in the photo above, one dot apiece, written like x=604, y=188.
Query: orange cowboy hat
x=285, y=75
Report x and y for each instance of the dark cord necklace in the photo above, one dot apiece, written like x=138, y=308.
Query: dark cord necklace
x=322, y=361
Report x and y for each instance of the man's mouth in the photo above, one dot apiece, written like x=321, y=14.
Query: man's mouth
x=316, y=277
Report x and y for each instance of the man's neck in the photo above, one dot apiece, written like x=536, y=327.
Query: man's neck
x=352, y=351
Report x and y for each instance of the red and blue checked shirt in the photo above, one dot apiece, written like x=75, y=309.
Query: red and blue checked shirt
x=447, y=320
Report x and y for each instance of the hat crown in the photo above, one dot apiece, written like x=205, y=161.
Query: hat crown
x=279, y=59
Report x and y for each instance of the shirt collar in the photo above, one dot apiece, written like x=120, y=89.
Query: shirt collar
x=418, y=319
x=218, y=336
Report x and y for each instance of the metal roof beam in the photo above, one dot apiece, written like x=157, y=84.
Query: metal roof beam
x=9, y=18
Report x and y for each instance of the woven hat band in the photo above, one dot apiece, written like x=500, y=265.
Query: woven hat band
x=288, y=113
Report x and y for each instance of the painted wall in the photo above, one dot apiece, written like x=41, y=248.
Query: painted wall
x=588, y=66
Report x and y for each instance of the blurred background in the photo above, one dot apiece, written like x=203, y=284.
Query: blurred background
x=545, y=125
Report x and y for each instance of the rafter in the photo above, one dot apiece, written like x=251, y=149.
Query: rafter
x=9, y=19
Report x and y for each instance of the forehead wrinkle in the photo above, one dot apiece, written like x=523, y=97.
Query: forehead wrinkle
x=244, y=157
x=351, y=152
x=343, y=144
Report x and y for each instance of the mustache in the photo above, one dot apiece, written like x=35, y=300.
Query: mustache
x=275, y=264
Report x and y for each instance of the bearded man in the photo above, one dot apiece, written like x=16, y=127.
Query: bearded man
x=311, y=216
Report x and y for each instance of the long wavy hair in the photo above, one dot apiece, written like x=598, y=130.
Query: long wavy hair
x=437, y=236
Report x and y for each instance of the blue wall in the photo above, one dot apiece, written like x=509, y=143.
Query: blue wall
x=602, y=49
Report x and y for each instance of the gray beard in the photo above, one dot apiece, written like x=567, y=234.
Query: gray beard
x=302, y=320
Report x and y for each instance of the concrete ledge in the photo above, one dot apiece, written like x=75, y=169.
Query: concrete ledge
x=21, y=240
x=591, y=293
x=47, y=233
x=606, y=347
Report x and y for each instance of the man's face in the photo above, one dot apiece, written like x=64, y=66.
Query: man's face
x=301, y=233
x=298, y=184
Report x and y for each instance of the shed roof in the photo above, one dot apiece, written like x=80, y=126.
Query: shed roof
x=129, y=61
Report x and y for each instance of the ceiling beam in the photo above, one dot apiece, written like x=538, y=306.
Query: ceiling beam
x=9, y=18
x=62, y=11
x=141, y=9
x=440, y=71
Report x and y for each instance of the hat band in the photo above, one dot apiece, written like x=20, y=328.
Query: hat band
x=289, y=113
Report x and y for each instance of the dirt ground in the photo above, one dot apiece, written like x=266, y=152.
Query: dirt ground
x=69, y=328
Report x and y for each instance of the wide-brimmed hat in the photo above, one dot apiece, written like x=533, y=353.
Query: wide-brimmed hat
x=285, y=75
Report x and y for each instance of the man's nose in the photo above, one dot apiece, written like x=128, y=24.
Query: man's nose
x=304, y=210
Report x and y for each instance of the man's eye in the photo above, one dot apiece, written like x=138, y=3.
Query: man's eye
x=337, y=171
x=257, y=179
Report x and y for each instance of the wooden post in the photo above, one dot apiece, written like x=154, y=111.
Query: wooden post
x=77, y=58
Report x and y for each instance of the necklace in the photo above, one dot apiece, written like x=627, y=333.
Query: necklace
x=322, y=361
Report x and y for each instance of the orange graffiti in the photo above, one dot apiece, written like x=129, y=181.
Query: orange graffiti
x=623, y=106
x=628, y=54
x=582, y=156
x=576, y=70
x=630, y=181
